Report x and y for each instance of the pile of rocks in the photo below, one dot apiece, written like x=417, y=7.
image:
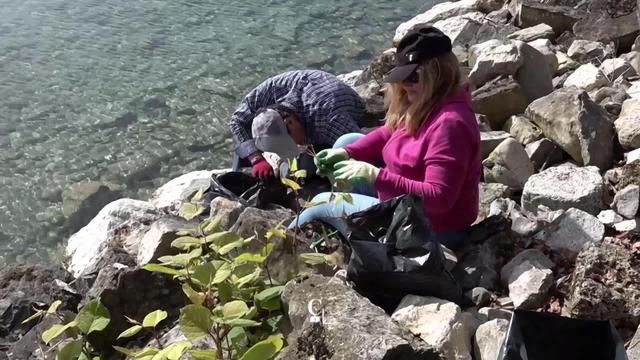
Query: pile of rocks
x=555, y=85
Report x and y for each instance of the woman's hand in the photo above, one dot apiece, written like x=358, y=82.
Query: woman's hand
x=326, y=159
x=355, y=172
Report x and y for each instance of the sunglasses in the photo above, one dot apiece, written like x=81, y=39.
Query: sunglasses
x=414, y=77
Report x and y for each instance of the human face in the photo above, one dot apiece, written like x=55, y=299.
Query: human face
x=295, y=128
x=413, y=86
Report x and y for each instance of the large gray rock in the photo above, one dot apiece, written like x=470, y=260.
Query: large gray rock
x=628, y=124
x=611, y=99
x=626, y=201
x=489, y=140
x=520, y=224
x=493, y=58
x=85, y=248
x=227, y=210
x=584, y=51
x=498, y=100
x=633, y=58
x=572, y=231
x=170, y=196
x=533, y=77
x=353, y=328
x=509, y=164
x=618, y=67
x=82, y=201
x=601, y=25
x=522, y=129
x=546, y=48
x=462, y=30
x=587, y=77
x=544, y=153
x=540, y=31
x=562, y=188
x=565, y=63
x=440, y=323
x=489, y=339
x=436, y=13
x=633, y=350
x=605, y=284
x=581, y=127
x=627, y=225
x=632, y=156
x=529, y=278
x=156, y=242
x=561, y=15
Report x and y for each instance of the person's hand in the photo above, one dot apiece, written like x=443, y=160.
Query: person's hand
x=262, y=170
x=355, y=172
x=325, y=160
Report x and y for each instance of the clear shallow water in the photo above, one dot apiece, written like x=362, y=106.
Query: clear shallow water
x=136, y=92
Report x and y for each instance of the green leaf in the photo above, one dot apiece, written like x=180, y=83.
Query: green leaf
x=222, y=238
x=186, y=242
x=53, y=308
x=204, y=354
x=132, y=321
x=250, y=258
x=266, y=250
x=344, y=197
x=125, y=351
x=93, y=317
x=271, y=304
x=130, y=332
x=274, y=323
x=198, y=195
x=55, y=331
x=146, y=354
x=175, y=351
x=300, y=174
x=222, y=274
x=70, y=351
x=204, y=274
x=293, y=165
x=229, y=247
x=38, y=314
x=184, y=233
x=264, y=349
x=224, y=292
x=248, y=279
x=277, y=231
x=270, y=293
x=213, y=225
x=290, y=183
x=195, y=322
x=234, y=309
x=161, y=269
x=309, y=204
x=181, y=259
x=190, y=211
x=242, y=323
x=195, y=297
x=154, y=318
x=314, y=258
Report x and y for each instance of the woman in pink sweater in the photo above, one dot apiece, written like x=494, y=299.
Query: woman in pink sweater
x=430, y=144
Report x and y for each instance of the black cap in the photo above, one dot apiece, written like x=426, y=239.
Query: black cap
x=417, y=46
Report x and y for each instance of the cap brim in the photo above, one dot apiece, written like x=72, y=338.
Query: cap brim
x=282, y=145
x=400, y=73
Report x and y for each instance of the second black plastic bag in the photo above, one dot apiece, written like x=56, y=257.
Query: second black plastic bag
x=392, y=255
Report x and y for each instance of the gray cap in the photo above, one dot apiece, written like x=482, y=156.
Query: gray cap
x=270, y=134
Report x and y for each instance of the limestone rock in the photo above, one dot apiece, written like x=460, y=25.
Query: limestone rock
x=533, y=77
x=529, y=278
x=523, y=130
x=489, y=339
x=621, y=177
x=438, y=12
x=633, y=350
x=257, y=221
x=615, y=68
x=493, y=58
x=479, y=296
x=533, y=256
x=560, y=15
x=489, y=140
x=370, y=333
x=461, y=29
x=564, y=188
x=634, y=90
x=581, y=127
x=627, y=225
x=565, y=63
x=498, y=100
x=520, y=224
x=495, y=313
x=611, y=99
x=632, y=156
x=584, y=51
x=83, y=200
x=605, y=285
x=572, y=231
x=170, y=196
x=511, y=156
x=628, y=124
x=85, y=247
x=488, y=6
x=544, y=153
x=540, y=31
x=609, y=217
x=626, y=201
x=633, y=58
x=488, y=193
x=587, y=77
x=226, y=209
x=157, y=240
x=600, y=25
x=439, y=323
x=546, y=48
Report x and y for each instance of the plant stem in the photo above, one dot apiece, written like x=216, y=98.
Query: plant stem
x=155, y=335
x=216, y=339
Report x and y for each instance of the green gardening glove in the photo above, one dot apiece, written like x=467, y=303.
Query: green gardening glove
x=355, y=172
x=325, y=160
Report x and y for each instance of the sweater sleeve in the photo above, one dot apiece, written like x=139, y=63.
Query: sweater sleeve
x=369, y=148
x=446, y=164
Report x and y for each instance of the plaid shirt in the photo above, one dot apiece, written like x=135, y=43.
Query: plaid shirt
x=327, y=107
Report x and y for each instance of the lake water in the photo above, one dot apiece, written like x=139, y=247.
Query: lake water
x=139, y=91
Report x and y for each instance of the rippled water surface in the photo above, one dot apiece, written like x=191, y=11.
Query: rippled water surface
x=136, y=92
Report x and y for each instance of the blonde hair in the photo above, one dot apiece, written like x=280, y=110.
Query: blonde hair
x=440, y=77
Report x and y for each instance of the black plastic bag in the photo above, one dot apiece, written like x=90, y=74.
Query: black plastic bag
x=247, y=190
x=392, y=254
x=540, y=336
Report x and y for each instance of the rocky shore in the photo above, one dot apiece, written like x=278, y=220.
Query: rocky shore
x=556, y=89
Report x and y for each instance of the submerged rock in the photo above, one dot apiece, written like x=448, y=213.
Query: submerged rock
x=82, y=201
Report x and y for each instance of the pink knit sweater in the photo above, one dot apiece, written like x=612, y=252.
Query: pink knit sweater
x=442, y=163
